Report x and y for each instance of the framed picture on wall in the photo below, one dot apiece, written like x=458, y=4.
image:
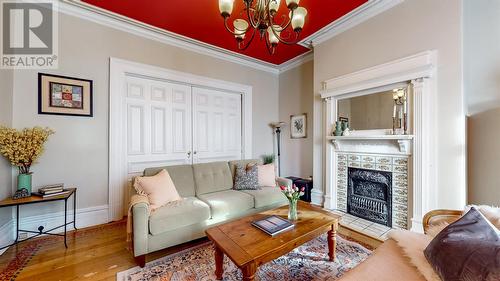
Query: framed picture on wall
x=61, y=95
x=298, y=126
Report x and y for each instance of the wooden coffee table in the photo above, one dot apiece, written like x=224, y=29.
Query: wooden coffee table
x=248, y=247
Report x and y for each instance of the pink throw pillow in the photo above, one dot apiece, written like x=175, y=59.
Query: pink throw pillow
x=266, y=174
x=159, y=189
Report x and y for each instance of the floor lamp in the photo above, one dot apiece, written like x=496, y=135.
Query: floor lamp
x=277, y=128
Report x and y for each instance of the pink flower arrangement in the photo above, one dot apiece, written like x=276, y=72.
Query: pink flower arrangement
x=293, y=193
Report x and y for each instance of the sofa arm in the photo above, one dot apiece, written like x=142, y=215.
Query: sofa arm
x=439, y=216
x=284, y=182
x=140, y=216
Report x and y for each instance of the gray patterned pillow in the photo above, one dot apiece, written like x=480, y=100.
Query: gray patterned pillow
x=246, y=178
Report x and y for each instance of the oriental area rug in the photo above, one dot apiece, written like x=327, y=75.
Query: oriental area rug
x=307, y=262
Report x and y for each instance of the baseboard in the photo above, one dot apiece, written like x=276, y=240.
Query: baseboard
x=6, y=235
x=85, y=217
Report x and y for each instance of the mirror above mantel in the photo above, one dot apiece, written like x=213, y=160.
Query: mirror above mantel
x=379, y=111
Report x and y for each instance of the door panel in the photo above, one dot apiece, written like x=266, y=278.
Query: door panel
x=158, y=124
x=217, y=125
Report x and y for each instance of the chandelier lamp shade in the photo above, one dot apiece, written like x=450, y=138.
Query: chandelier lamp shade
x=262, y=18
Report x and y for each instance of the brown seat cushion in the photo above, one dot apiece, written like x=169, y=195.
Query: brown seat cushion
x=468, y=249
x=387, y=262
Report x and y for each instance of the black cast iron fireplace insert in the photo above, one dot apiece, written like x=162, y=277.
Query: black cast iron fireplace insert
x=369, y=195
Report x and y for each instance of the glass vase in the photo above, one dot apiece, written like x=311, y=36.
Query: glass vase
x=292, y=210
x=24, y=181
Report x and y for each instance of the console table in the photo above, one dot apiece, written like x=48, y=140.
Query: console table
x=36, y=199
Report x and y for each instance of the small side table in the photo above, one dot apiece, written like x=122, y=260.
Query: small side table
x=307, y=184
x=9, y=202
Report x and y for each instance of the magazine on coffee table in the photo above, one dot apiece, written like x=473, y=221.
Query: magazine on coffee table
x=273, y=225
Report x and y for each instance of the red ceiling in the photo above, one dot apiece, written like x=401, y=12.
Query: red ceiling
x=201, y=20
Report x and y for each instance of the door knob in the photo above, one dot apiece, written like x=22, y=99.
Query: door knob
x=189, y=154
x=194, y=152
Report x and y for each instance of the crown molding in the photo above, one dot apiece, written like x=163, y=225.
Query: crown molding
x=349, y=20
x=297, y=61
x=85, y=11
x=98, y=15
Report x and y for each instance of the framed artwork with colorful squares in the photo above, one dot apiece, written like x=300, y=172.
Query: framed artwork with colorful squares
x=62, y=95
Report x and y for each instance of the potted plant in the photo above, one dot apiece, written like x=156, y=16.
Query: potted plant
x=22, y=148
x=268, y=159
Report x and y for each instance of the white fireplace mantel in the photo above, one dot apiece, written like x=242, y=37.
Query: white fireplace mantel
x=402, y=142
x=419, y=70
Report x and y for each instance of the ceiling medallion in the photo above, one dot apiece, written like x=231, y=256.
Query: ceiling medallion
x=261, y=16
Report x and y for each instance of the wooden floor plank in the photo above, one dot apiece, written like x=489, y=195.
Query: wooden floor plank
x=96, y=253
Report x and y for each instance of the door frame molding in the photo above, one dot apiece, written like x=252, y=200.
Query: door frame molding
x=119, y=69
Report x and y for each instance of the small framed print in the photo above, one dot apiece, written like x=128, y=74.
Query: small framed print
x=61, y=95
x=298, y=126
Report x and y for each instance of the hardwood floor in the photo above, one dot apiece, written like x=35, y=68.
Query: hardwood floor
x=95, y=253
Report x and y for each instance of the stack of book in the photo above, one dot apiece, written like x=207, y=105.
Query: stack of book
x=51, y=190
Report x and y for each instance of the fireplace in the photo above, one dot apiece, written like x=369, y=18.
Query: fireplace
x=369, y=195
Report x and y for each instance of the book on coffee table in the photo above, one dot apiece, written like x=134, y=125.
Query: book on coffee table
x=273, y=225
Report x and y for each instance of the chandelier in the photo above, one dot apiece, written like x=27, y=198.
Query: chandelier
x=262, y=18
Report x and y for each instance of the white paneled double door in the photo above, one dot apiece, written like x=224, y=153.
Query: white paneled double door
x=173, y=123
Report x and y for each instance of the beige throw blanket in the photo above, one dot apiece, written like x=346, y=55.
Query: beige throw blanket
x=135, y=199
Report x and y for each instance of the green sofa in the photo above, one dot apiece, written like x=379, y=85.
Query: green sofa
x=208, y=200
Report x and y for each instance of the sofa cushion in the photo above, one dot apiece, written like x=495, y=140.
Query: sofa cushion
x=246, y=178
x=182, y=176
x=159, y=189
x=178, y=214
x=267, y=175
x=267, y=196
x=228, y=203
x=244, y=163
x=212, y=177
x=468, y=249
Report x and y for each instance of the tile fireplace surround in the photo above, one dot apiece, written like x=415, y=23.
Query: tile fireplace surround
x=396, y=165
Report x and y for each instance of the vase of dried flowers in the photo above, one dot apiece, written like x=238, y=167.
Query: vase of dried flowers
x=293, y=195
x=22, y=148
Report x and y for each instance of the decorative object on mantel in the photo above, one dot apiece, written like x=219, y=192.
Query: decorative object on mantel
x=298, y=126
x=61, y=95
x=400, y=112
x=22, y=149
x=293, y=195
x=21, y=193
x=277, y=128
x=338, y=129
x=345, y=129
x=268, y=159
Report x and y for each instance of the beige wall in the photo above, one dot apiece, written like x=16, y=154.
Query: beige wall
x=296, y=89
x=482, y=90
x=6, y=92
x=409, y=28
x=78, y=153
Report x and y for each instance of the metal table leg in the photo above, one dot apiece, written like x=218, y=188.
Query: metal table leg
x=17, y=224
x=74, y=210
x=65, y=220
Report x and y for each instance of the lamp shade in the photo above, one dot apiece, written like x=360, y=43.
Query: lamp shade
x=240, y=27
x=226, y=7
x=272, y=37
x=274, y=5
x=299, y=18
x=291, y=4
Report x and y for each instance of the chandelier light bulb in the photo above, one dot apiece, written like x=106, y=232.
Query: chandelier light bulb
x=292, y=4
x=299, y=18
x=274, y=5
x=240, y=27
x=272, y=37
x=226, y=7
